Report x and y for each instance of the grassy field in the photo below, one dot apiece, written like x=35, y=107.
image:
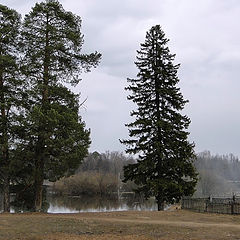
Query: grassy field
x=177, y=225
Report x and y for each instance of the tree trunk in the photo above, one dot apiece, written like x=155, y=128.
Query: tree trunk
x=38, y=186
x=4, y=149
x=40, y=151
x=38, y=195
x=6, y=194
x=160, y=206
x=159, y=102
x=160, y=203
x=39, y=174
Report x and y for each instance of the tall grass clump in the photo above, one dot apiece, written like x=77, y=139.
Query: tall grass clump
x=87, y=183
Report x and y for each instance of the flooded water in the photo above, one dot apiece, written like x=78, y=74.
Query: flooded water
x=87, y=204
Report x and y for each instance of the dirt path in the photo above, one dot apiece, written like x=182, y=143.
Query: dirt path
x=170, y=223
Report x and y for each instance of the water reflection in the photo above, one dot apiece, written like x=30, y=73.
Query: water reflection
x=64, y=204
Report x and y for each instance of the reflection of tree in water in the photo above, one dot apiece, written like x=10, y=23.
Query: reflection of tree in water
x=137, y=202
x=84, y=203
x=23, y=200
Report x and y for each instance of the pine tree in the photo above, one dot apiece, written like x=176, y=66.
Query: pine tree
x=11, y=99
x=51, y=44
x=159, y=133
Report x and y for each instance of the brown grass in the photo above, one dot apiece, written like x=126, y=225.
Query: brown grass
x=171, y=225
x=87, y=183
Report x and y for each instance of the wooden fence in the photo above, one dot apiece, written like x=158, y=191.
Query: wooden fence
x=212, y=205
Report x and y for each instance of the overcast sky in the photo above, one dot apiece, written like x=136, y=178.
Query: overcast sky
x=205, y=35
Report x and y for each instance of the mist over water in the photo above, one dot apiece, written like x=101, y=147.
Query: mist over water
x=219, y=175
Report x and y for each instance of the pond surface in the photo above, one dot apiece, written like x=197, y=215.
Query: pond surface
x=67, y=204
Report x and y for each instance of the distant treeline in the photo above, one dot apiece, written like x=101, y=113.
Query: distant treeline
x=218, y=174
x=108, y=162
x=102, y=174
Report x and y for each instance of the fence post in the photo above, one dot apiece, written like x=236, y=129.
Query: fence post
x=233, y=203
x=208, y=201
x=206, y=204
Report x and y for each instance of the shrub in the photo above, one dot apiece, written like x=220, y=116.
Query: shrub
x=87, y=183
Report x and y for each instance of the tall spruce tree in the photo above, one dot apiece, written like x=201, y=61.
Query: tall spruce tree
x=10, y=96
x=51, y=43
x=158, y=134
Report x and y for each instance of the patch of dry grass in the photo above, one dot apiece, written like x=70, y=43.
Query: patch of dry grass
x=175, y=225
